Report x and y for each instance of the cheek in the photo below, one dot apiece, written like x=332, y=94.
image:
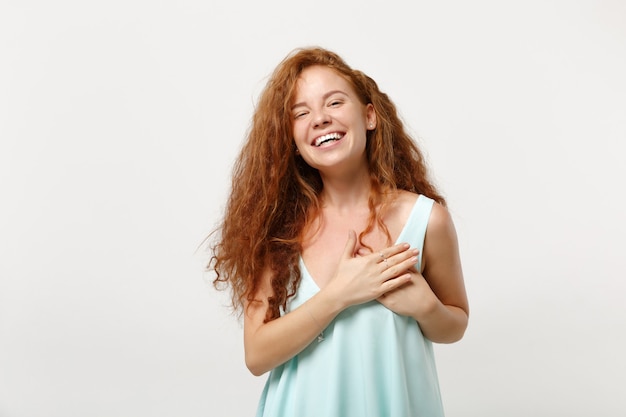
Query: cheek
x=299, y=136
x=298, y=144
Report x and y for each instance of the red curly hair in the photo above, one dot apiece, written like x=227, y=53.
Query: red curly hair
x=275, y=194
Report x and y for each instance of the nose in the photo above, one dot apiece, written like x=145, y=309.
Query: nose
x=321, y=119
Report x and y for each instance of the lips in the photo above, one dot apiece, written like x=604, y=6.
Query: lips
x=327, y=138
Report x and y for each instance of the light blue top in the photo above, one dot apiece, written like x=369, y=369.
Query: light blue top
x=371, y=363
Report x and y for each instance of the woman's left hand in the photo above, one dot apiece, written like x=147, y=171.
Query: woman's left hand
x=414, y=299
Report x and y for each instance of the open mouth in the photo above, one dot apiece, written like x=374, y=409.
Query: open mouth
x=329, y=138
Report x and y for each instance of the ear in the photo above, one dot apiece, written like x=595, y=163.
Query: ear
x=370, y=117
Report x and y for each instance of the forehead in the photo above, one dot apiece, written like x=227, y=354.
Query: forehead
x=319, y=80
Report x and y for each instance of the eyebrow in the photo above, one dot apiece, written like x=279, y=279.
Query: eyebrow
x=325, y=96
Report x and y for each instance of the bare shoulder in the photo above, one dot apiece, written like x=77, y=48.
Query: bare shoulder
x=440, y=221
x=440, y=242
x=441, y=265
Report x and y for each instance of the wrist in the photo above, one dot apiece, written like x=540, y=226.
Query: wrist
x=427, y=309
x=330, y=301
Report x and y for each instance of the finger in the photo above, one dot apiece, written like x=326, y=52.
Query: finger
x=394, y=283
x=393, y=250
x=396, y=266
x=402, y=256
x=350, y=248
x=384, y=254
x=381, y=257
x=410, y=255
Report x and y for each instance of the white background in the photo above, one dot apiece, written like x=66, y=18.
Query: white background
x=120, y=120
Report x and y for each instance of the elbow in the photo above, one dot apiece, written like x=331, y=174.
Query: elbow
x=256, y=371
x=457, y=332
x=447, y=338
x=450, y=333
x=254, y=365
x=452, y=336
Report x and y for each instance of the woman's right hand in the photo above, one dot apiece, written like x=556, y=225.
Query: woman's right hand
x=362, y=278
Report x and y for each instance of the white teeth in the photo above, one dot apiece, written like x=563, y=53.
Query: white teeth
x=330, y=136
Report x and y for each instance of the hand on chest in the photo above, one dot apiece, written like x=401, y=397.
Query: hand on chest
x=322, y=252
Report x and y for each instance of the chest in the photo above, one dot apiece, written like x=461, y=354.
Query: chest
x=322, y=251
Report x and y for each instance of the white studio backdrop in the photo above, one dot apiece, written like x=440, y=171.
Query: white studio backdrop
x=120, y=121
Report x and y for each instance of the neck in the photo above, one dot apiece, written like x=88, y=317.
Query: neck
x=346, y=192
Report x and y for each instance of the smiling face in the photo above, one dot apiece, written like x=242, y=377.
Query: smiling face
x=329, y=121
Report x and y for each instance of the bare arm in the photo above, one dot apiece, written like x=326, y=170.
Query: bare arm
x=357, y=280
x=268, y=345
x=445, y=319
x=436, y=298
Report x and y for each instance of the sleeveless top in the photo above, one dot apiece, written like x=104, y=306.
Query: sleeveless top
x=372, y=362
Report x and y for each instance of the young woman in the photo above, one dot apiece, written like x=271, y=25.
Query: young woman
x=338, y=250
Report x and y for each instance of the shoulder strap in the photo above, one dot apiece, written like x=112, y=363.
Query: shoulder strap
x=414, y=231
